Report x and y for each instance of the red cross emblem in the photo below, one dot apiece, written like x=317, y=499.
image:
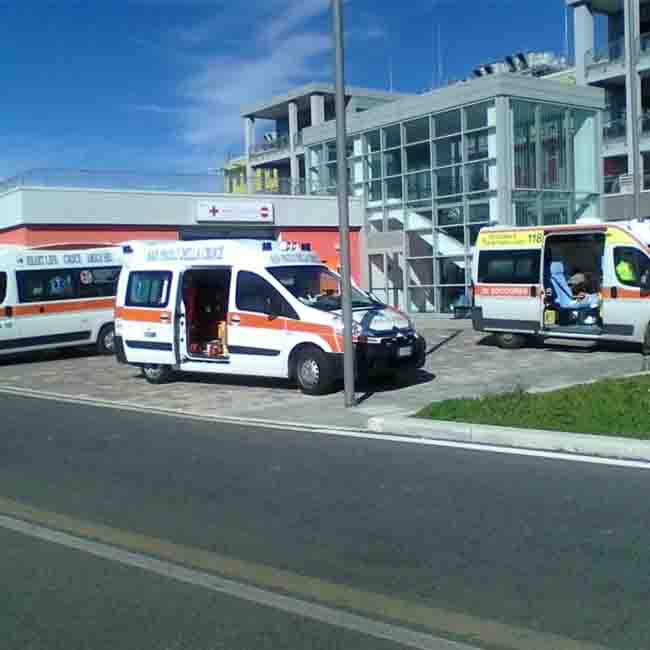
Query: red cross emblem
x=214, y=211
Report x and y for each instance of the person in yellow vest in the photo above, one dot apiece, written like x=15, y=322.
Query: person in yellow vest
x=625, y=270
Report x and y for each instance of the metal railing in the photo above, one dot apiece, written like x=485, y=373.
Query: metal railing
x=277, y=144
x=118, y=180
x=607, y=53
x=612, y=185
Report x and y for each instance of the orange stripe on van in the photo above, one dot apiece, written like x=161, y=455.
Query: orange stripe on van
x=63, y=307
x=143, y=315
x=262, y=321
x=505, y=290
x=626, y=294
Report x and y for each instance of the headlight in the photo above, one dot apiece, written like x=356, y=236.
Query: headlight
x=338, y=327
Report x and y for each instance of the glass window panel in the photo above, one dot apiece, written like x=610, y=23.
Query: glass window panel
x=476, y=116
x=418, y=186
x=315, y=156
x=479, y=213
x=451, y=241
x=394, y=188
x=373, y=141
x=393, y=162
x=420, y=272
x=448, y=151
x=447, y=123
x=421, y=300
x=376, y=220
x=417, y=130
x=554, y=146
x=477, y=145
x=526, y=213
x=330, y=151
x=418, y=157
x=330, y=174
x=377, y=272
x=585, y=150
x=392, y=136
x=420, y=244
x=374, y=191
x=419, y=217
x=449, y=181
x=450, y=216
x=395, y=218
x=452, y=299
x=524, y=137
x=355, y=170
x=451, y=270
x=473, y=232
x=374, y=166
x=478, y=177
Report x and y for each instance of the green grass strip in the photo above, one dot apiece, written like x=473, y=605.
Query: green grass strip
x=612, y=407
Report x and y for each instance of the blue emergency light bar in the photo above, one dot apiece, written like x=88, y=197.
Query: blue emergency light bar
x=267, y=246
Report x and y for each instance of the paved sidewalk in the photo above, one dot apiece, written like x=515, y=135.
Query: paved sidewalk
x=460, y=363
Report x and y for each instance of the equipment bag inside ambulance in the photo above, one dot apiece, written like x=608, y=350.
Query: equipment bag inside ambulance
x=571, y=282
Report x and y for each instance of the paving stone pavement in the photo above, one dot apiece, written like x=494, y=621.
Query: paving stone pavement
x=460, y=363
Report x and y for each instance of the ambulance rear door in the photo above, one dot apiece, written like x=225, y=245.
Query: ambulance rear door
x=147, y=317
x=508, y=285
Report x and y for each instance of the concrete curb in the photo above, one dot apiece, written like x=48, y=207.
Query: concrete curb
x=531, y=439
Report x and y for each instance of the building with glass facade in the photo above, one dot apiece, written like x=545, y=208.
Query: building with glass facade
x=432, y=170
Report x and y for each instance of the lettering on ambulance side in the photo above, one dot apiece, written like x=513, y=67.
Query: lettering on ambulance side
x=502, y=291
x=511, y=239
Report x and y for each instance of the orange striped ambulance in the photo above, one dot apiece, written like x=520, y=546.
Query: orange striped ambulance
x=56, y=298
x=590, y=280
x=245, y=307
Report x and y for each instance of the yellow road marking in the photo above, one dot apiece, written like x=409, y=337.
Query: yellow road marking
x=378, y=606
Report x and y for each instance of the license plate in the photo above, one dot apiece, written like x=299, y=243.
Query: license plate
x=405, y=352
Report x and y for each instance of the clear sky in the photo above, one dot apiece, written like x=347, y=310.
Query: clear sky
x=154, y=85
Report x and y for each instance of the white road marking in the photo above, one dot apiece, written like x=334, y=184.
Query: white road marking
x=332, y=430
x=335, y=617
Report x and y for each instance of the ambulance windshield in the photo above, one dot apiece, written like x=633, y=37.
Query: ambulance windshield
x=316, y=286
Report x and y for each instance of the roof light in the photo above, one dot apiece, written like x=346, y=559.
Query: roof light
x=267, y=246
x=127, y=249
x=306, y=247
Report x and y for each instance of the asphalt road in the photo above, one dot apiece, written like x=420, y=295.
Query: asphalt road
x=554, y=547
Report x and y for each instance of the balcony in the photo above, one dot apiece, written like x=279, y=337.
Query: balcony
x=278, y=146
x=606, y=61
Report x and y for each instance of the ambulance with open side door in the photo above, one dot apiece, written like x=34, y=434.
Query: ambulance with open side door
x=57, y=298
x=246, y=307
x=584, y=281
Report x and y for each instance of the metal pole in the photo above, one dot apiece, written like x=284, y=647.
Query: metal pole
x=342, y=193
x=632, y=82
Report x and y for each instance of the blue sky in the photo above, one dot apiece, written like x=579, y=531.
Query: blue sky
x=153, y=85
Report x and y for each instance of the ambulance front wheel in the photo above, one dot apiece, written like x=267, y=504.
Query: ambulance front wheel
x=510, y=341
x=157, y=374
x=314, y=371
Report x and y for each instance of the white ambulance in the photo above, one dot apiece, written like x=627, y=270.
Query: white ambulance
x=250, y=308
x=56, y=298
x=584, y=281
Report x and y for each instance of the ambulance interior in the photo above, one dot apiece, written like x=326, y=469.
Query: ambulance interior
x=205, y=296
x=573, y=276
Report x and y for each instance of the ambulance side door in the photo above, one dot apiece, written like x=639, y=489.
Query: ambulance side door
x=146, y=320
x=257, y=326
x=626, y=296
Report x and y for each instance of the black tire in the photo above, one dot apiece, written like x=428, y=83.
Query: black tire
x=645, y=346
x=511, y=341
x=156, y=373
x=314, y=371
x=106, y=340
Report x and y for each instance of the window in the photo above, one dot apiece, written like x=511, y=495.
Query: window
x=448, y=151
x=476, y=116
x=448, y=123
x=48, y=285
x=393, y=162
x=417, y=130
x=632, y=267
x=148, y=289
x=255, y=294
x=98, y=282
x=3, y=287
x=478, y=145
x=418, y=157
x=373, y=142
x=509, y=267
x=392, y=137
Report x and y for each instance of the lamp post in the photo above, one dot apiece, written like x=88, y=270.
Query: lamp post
x=342, y=194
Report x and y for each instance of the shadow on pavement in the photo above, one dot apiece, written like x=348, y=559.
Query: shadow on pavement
x=440, y=344
x=378, y=386
x=39, y=356
x=564, y=345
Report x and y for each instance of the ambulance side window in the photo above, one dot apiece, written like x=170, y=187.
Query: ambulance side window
x=632, y=267
x=3, y=286
x=254, y=294
x=148, y=289
x=509, y=267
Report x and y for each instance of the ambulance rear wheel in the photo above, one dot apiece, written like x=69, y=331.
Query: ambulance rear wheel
x=510, y=341
x=313, y=371
x=106, y=340
x=157, y=374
